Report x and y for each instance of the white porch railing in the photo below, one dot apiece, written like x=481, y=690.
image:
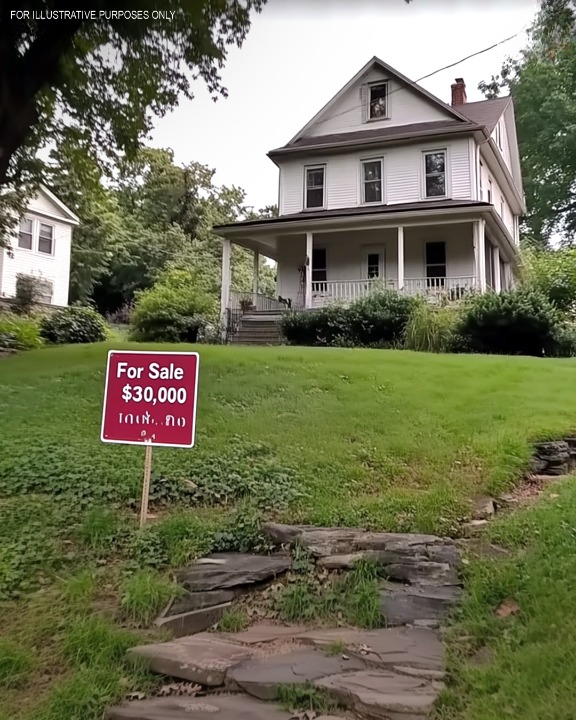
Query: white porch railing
x=454, y=288
x=346, y=291
x=337, y=291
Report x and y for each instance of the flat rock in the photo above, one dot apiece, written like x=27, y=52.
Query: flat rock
x=213, y=707
x=196, y=621
x=227, y=570
x=409, y=647
x=382, y=694
x=201, y=658
x=484, y=509
x=264, y=633
x=198, y=601
x=261, y=677
x=405, y=604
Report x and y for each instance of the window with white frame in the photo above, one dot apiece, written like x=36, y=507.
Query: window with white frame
x=435, y=174
x=481, y=181
x=373, y=266
x=498, y=135
x=46, y=239
x=378, y=101
x=25, y=234
x=45, y=291
x=489, y=190
x=315, y=183
x=435, y=264
x=502, y=207
x=319, y=270
x=372, y=181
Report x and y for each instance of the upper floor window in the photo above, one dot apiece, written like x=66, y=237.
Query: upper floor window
x=435, y=174
x=314, y=191
x=25, y=234
x=46, y=239
x=372, y=181
x=502, y=208
x=481, y=182
x=489, y=190
x=377, y=101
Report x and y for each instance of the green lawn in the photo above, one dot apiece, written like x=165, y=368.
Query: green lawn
x=390, y=440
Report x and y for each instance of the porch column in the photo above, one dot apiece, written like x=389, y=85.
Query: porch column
x=479, y=240
x=225, y=285
x=308, y=293
x=496, y=264
x=256, y=277
x=400, y=258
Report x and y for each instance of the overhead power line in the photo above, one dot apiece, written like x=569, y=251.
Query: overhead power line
x=435, y=72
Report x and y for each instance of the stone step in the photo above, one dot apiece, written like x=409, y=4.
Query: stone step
x=210, y=707
x=222, y=571
x=382, y=695
x=204, y=658
x=418, y=604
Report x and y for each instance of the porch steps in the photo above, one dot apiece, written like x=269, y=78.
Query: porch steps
x=259, y=328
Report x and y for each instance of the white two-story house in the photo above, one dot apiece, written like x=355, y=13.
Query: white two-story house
x=40, y=248
x=388, y=186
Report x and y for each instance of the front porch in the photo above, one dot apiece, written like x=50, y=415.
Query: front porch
x=340, y=262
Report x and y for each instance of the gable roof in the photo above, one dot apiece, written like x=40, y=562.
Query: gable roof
x=486, y=112
x=375, y=62
x=69, y=215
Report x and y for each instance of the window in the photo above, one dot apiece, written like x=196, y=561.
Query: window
x=25, y=234
x=373, y=265
x=489, y=190
x=45, y=291
x=46, y=239
x=480, y=180
x=319, y=274
x=435, y=173
x=378, y=101
x=435, y=264
x=372, y=181
x=502, y=208
x=315, y=187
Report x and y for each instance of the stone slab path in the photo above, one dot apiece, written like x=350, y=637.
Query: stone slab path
x=393, y=673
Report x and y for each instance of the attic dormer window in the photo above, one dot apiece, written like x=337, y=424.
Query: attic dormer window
x=378, y=101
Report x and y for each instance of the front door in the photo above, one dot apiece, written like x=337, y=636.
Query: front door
x=374, y=265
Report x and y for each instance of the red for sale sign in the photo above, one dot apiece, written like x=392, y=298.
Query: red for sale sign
x=150, y=398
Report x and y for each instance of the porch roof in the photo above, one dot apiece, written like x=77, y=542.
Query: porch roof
x=354, y=212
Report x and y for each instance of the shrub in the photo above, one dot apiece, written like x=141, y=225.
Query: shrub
x=376, y=320
x=551, y=273
x=19, y=332
x=430, y=329
x=73, y=325
x=517, y=322
x=174, y=310
x=27, y=293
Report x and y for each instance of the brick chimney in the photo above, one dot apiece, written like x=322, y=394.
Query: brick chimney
x=458, y=92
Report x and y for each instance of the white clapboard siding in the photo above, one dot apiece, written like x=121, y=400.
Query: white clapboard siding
x=403, y=175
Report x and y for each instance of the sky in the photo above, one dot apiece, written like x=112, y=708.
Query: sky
x=300, y=53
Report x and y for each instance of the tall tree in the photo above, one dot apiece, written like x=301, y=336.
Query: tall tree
x=103, y=71
x=542, y=82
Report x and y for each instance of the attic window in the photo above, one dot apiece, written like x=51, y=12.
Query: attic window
x=314, y=191
x=378, y=101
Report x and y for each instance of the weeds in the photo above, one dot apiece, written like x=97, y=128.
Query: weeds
x=233, y=621
x=144, y=594
x=15, y=664
x=295, y=698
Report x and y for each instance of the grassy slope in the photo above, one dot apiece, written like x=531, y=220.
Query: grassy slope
x=393, y=440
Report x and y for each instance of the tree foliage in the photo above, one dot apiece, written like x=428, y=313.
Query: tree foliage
x=102, y=78
x=542, y=82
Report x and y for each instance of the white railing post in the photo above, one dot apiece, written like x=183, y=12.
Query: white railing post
x=481, y=245
x=496, y=264
x=400, y=258
x=225, y=285
x=309, y=248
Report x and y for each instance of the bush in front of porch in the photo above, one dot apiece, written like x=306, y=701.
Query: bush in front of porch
x=378, y=320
